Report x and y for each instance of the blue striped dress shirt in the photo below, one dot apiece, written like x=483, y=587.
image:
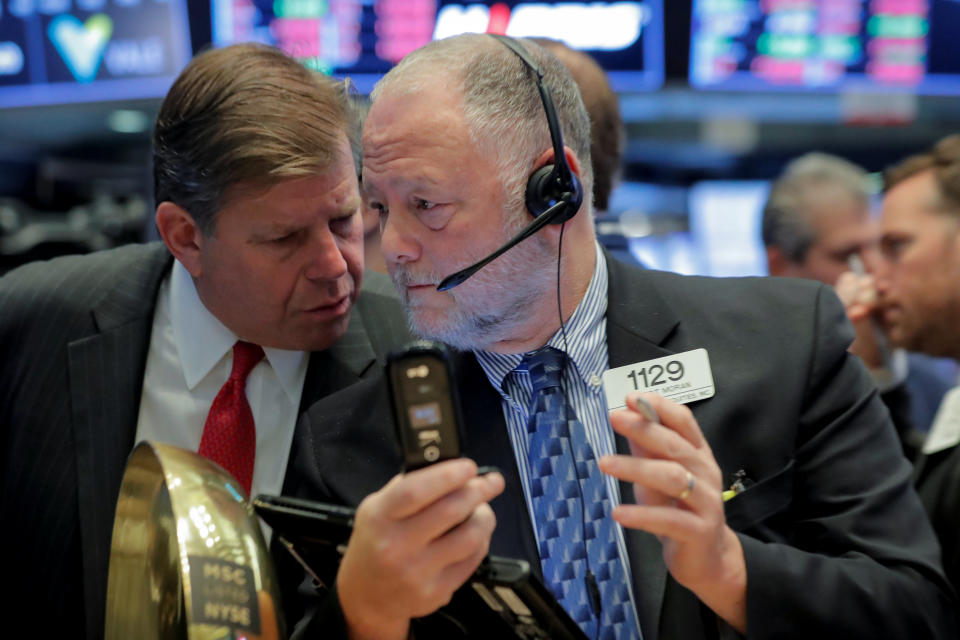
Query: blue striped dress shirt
x=586, y=347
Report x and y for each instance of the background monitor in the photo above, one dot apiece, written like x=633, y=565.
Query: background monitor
x=362, y=39
x=840, y=45
x=68, y=51
x=725, y=219
x=719, y=236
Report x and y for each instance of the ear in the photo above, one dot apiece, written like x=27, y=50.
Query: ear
x=777, y=263
x=547, y=157
x=181, y=235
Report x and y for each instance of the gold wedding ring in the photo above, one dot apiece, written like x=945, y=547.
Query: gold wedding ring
x=686, y=491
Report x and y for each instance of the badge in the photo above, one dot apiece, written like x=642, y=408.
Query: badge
x=683, y=377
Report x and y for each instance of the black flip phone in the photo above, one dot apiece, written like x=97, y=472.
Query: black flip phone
x=426, y=407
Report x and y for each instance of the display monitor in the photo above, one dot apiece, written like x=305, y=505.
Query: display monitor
x=835, y=45
x=67, y=51
x=725, y=221
x=362, y=39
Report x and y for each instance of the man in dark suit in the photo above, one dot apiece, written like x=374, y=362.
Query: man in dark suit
x=918, y=302
x=777, y=494
x=258, y=206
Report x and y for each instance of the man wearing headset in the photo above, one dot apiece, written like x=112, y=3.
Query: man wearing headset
x=774, y=495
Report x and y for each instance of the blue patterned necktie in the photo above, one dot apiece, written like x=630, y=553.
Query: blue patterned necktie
x=571, y=543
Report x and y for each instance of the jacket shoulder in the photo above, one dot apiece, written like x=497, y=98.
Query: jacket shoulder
x=73, y=284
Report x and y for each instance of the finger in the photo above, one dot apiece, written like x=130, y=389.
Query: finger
x=670, y=522
x=868, y=291
x=456, y=574
x=466, y=539
x=655, y=440
x=857, y=312
x=672, y=414
x=446, y=582
x=669, y=480
x=847, y=287
x=409, y=493
x=455, y=508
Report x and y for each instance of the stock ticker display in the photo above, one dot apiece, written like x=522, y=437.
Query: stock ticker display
x=362, y=39
x=56, y=51
x=845, y=45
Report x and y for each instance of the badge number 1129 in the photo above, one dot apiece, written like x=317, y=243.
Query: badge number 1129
x=683, y=377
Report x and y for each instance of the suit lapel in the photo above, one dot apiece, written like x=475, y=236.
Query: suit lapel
x=106, y=375
x=639, y=322
x=339, y=366
x=329, y=371
x=487, y=442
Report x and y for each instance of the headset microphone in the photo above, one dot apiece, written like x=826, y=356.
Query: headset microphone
x=541, y=221
x=554, y=193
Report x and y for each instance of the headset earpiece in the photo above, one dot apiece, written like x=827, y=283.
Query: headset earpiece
x=545, y=189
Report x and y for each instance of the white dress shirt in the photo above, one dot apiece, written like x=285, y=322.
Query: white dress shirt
x=190, y=357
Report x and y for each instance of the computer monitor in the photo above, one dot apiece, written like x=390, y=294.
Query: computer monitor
x=725, y=220
x=840, y=45
x=364, y=39
x=57, y=51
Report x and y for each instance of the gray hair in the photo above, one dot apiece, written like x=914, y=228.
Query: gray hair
x=786, y=216
x=501, y=104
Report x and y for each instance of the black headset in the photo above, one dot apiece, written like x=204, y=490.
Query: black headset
x=554, y=193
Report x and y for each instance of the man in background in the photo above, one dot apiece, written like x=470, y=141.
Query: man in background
x=817, y=218
x=213, y=341
x=817, y=225
x=627, y=525
x=918, y=302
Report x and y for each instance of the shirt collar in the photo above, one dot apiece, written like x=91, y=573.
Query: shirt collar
x=202, y=340
x=585, y=331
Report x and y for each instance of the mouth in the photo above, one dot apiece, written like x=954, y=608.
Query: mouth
x=334, y=309
x=889, y=315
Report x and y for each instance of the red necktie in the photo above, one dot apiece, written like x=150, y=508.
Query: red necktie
x=229, y=437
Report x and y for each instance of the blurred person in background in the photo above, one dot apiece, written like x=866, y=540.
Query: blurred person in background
x=816, y=224
x=817, y=217
x=257, y=282
x=917, y=300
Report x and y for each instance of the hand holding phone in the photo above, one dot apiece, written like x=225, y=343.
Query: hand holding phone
x=414, y=543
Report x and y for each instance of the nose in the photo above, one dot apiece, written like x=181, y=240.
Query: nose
x=397, y=239
x=326, y=261
x=881, y=273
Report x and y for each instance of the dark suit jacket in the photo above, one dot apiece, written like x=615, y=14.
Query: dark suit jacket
x=835, y=539
x=74, y=338
x=938, y=483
